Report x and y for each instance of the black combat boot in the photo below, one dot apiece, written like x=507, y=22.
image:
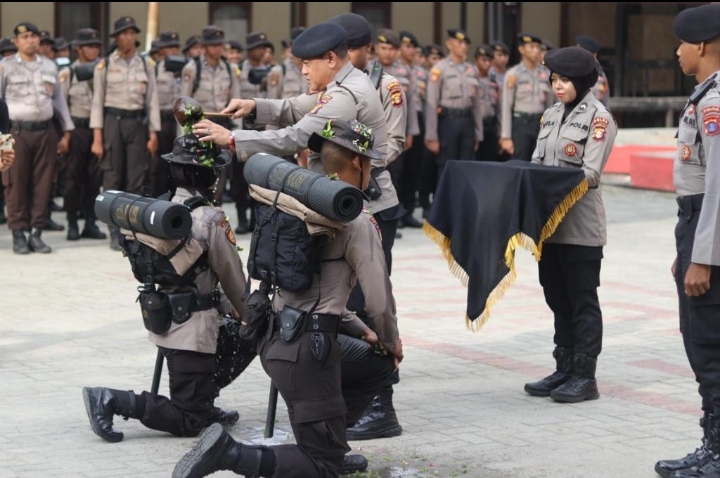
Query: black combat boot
x=102, y=404
x=36, y=243
x=563, y=369
x=354, y=464
x=20, y=244
x=696, y=459
x=226, y=418
x=582, y=385
x=216, y=450
x=73, y=233
x=91, y=231
x=710, y=467
x=378, y=421
x=114, y=235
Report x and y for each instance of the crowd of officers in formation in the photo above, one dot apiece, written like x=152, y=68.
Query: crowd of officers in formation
x=76, y=135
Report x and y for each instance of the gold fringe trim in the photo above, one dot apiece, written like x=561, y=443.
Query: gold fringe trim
x=518, y=240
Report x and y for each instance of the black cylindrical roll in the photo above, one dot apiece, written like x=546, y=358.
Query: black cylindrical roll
x=156, y=217
x=336, y=200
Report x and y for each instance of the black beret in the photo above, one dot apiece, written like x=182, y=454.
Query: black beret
x=318, y=40
x=296, y=31
x=191, y=42
x=357, y=29
x=257, y=39
x=588, y=42
x=698, y=24
x=87, y=36
x=499, y=45
x=408, y=37
x=26, y=27
x=168, y=38
x=7, y=45
x=547, y=45
x=484, y=50
x=458, y=34
x=124, y=23
x=434, y=49
x=385, y=35
x=45, y=37
x=234, y=45
x=212, y=35
x=525, y=38
x=572, y=61
x=60, y=44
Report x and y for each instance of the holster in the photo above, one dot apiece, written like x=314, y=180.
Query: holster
x=156, y=313
x=181, y=303
x=292, y=323
x=373, y=190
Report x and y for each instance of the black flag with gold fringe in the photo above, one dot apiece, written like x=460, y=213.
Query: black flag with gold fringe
x=481, y=213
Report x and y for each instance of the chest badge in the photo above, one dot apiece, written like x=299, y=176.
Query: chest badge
x=685, y=152
x=570, y=150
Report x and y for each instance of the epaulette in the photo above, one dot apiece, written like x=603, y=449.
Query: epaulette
x=700, y=92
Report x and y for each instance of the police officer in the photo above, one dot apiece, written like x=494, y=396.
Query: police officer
x=696, y=267
x=168, y=90
x=501, y=57
x=428, y=169
x=379, y=419
x=453, y=118
x=192, y=47
x=125, y=115
x=212, y=81
x=46, y=45
x=525, y=95
x=234, y=52
x=256, y=44
x=7, y=155
x=577, y=132
x=7, y=47
x=601, y=90
x=489, y=95
x=29, y=84
x=82, y=175
x=190, y=347
x=286, y=79
x=316, y=403
x=61, y=51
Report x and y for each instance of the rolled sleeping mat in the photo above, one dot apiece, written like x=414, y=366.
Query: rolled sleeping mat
x=155, y=217
x=334, y=199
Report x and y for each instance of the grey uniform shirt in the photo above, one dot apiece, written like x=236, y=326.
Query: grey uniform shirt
x=293, y=81
x=395, y=105
x=403, y=74
x=126, y=84
x=212, y=230
x=216, y=87
x=32, y=90
x=601, y=89
x=350, y=96
x=168, y=87
x=247, y=89
x=583, y=140
x=697, y=169
x=455, y=86
x=78, y=93
x=525, y=90
x=354, y=255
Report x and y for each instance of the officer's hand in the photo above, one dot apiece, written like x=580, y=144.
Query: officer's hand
x=7, y=158
x=433, y=145
x=152, y=144
x=506, y=144
x=370, y=336
x=239, y=108
x=697, y=279
x=97, y=149
x=206, y=130
x=397, y=353
x=408, y=142
x=63, y=146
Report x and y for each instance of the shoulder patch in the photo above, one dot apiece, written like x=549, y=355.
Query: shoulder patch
x=100, y=65
x=599, y=127
x=511, y=80
x=435, y=74
x=374, y=222
x=322, y=101
x=395, y=90
x=228, y=231
x=64, y=75
x=274, y=78
x=237, y=71
x=711, y=120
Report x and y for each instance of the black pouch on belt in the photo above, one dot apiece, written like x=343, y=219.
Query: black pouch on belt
x=180, y=303
x=155, y=309
x=292, y=323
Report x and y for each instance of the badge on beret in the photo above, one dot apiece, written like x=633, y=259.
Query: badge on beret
x=570, y=150
x=434, y=74
x=322, y=101
x=395, y=93
x=511, y=79
x=459, y=36
x=711, y=124
x=685, y=152
x=599, y=126
x=21, y=29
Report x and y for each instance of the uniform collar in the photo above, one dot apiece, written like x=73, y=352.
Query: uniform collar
x=38, y=58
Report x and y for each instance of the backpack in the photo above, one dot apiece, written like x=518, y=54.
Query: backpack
x=150, y=266
x=283, y=254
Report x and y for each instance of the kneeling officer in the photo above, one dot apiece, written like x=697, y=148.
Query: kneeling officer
x=190, y=345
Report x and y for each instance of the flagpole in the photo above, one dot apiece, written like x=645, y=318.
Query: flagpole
x=152, y=24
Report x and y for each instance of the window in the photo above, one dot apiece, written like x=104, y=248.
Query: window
x=72, y=16
x=234, y=18
x=377, y=13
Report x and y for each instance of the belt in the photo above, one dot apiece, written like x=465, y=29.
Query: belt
x=81, y=122
x=689, y=204
x=205, y=302
x=527, y=115
x=455, y=113
x=489, y=119
x=30, y=125
x=124, y=114
x=167, y=115
x=315, y=322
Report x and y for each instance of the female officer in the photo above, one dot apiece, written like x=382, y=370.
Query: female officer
x=576, y=132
